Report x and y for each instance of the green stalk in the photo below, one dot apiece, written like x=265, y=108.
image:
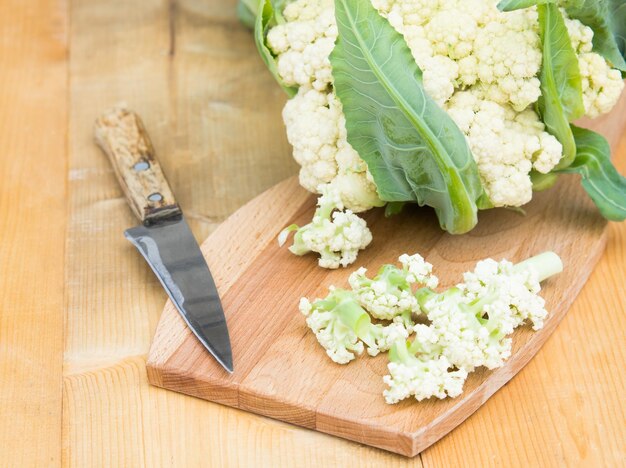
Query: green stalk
x=546, y=264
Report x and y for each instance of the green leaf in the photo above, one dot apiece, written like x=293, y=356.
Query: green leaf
x=542, y=181
x=618, y=25
x=607, y=18
x=247, y=11
x=561, y=99
x=413, y=149
x=605, y=186
x=269, y=17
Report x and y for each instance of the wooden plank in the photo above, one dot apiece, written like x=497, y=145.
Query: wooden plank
x=33, y=125
x=199, y=92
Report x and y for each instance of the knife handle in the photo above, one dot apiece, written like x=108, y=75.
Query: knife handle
x=122, y=136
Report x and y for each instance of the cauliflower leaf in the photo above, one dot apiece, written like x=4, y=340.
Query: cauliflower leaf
x=561, y=99
x=607, y=18
x=604, y=185
x=413, y=149
x=263, y=21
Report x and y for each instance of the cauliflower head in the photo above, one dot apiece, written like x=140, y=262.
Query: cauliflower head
x=480, y=64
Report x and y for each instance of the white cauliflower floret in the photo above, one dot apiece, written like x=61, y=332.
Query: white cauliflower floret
x=342, y=327
x=336, y=235
x=304, y=43
x=452, y=33
x=519, y=287
x=439, y=75
x=389, y=294
x=505, y=144
x=601, y=84
x=581, y=36
x=339, y=341
x=511, y=76
x=470, y=323
x=312, y=122
x=423, y=379
x=462, y=337
x=469, y=327
x=317, y=131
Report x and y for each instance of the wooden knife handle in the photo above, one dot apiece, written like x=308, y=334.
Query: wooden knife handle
x=121, y=135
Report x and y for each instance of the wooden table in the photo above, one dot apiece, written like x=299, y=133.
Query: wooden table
x=78, y=307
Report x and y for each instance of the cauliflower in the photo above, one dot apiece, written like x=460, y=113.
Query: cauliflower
x=389, y=295
x=470, y=323
x=342, y=327
x=439, y=102
x=506, y=145
x=316, y=129
x=469, y=327
x=464, y=48
x=422, y=378
x=336, y=235
x=602, y=85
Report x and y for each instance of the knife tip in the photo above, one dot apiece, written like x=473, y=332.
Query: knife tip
x=227, y=364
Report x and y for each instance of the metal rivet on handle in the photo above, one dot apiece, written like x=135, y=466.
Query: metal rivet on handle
x=155, y=197
x=141, y=166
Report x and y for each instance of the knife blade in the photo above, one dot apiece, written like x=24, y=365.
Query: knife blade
x=164, y=238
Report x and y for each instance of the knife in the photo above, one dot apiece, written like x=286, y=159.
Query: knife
x=164, y=238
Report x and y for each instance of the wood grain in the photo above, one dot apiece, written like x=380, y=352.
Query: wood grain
x=123, y=138
x=33, y=117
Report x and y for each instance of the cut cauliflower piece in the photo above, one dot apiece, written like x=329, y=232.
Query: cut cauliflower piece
x=421, y=377
x=389, y=295
x=463, y=335
x=469, y=327
x=518, y=287
x=470, y=323
x=336, y=235
x=343, y=327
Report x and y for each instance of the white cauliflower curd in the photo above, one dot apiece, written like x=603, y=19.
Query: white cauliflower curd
x=480, y=64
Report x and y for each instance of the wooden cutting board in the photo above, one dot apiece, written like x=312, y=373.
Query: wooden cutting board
x=280, y=369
